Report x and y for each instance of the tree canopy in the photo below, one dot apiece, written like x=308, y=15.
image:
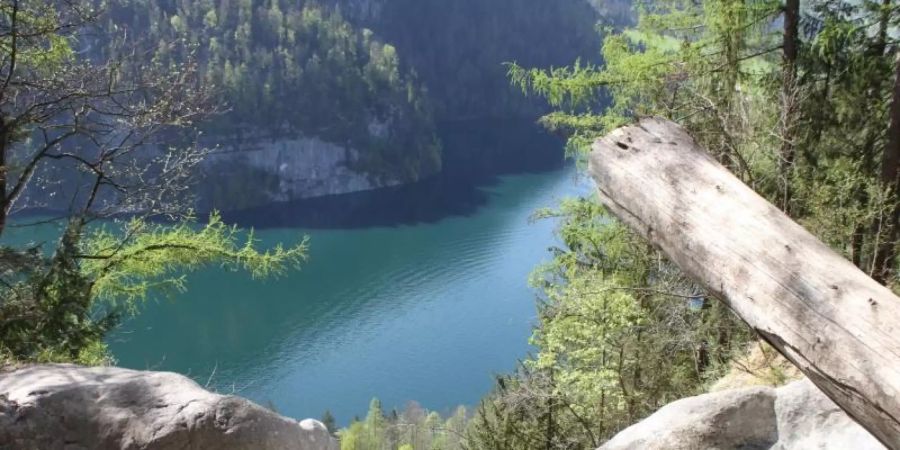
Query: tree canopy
x=289, y=69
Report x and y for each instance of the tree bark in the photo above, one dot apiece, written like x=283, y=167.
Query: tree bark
x=837, y=325
x=889, y=227
x=789, y=107
x=4, y=174
x=876, y=52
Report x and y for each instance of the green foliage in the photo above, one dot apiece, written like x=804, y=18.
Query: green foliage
x=690, y=49
x=45, y=52
x=46, y=310
x=458, y=47
x=414, y=428
x=621, y=331
x=126, y=264
x=329, y=422
x=58, y=302
x=60, y=308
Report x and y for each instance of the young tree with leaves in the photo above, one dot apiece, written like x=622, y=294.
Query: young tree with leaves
x=93, y=135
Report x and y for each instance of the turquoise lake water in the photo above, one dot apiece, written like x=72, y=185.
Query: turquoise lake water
x=425, y=311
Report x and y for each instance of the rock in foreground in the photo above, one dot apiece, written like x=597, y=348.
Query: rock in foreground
x=796, y=416
x=72, y=407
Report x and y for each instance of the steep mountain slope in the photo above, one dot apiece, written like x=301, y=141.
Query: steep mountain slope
x=291, y=70
x=346, y=95
x=459, y=47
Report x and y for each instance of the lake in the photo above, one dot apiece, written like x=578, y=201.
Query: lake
x=426, y=312
x=414, y=293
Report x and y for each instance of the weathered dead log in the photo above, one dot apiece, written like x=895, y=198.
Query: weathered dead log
x=840, y=327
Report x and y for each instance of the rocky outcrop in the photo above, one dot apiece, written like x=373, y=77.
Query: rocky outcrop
x=72, y=407
x=261, y=171
x=807, y=419
x=739, y=419
x=243, y=173
x=796, y=416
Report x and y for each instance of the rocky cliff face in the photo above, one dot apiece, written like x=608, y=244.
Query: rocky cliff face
x=50, y=407
x=261, y=171
x=251, y=173
x=796, y=416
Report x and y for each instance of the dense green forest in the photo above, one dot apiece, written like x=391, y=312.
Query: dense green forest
x=289, y=69
x=459, y=47
x=374, y=82
x=410, y=429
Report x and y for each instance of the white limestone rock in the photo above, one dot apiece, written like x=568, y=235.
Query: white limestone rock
x=738, y=419
x=70, y=407
x=797, y=416
x=807, y=419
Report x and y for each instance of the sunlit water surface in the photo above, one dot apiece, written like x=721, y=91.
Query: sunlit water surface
x=425, y=311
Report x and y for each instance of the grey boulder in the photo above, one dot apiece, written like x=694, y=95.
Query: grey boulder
x=807, y=419
x=722, y=420
x=795, y=416
x=71, y=407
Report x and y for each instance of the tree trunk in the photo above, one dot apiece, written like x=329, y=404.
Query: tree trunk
x=789, y=97
x=883, y=22
x=876, y=228
x=837, y=325
x=890, y=160
x=4, y=174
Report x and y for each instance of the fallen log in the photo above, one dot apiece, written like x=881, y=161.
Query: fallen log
x=840, y=327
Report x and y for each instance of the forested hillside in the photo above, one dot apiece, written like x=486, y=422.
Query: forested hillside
x=288, y=69
x=372, y=76
x=459, y=47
